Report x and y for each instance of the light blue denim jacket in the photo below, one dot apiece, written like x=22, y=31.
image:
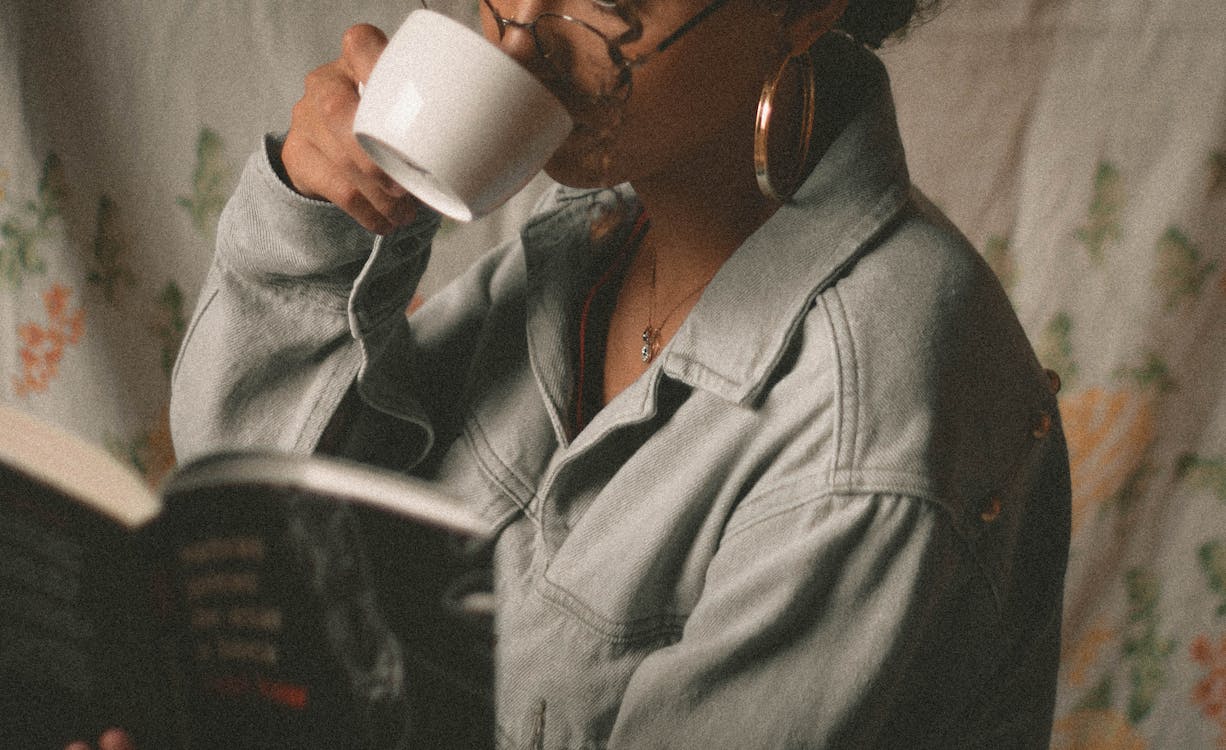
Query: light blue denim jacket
x=833, y=512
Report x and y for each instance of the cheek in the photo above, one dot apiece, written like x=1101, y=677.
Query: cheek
x=706, y=85
x=678, y=114
x=489, y=27
x=693, y=101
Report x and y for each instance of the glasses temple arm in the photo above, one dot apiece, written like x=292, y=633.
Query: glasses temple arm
x=690, y=24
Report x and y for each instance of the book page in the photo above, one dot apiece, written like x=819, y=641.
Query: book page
x=75, y=468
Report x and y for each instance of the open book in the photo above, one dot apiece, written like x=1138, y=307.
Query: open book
x=238, y=607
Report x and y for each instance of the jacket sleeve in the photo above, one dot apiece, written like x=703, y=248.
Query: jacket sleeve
x=272, y=347
x=846, y=621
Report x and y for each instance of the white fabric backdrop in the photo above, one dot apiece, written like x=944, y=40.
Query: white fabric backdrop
x=1081, y=144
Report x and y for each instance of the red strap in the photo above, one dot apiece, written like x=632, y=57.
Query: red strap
x=631, y=245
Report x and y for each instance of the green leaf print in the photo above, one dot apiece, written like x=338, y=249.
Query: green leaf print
x=1144, y=650
x=171, y=324
x=999, y=255
x=52, y=190
x=1180, y=273
x=130, y=451
x=142, y=452
x=1055, y=348
x=110, y=272
x=1133, y=490
x=210, y=183
x=1103, y=223
x=1099, y=697
x=1202, y=472
x=18, y=252
x=20, y=234
x=1213, y=562
x=1152, y=373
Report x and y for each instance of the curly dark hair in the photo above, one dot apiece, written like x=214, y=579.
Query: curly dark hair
x=871, y=22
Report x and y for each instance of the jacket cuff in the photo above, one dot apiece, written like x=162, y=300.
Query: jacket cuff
x=270, y=231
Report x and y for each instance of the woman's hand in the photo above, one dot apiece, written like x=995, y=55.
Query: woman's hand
x=111, y=739
x=321, y=156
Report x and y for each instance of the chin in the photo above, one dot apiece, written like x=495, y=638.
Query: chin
x=583, y=161
x=572, y=178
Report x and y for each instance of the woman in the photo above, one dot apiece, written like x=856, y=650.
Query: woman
x=770, y=459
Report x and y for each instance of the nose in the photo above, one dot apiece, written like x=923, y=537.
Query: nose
x=515, y=39
x=517, y=42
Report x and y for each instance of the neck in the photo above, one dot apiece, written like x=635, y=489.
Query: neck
x=701, y=211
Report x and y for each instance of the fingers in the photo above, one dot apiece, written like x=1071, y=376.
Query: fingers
x=321, y=156
x=115, y=739
x=368, y=200
x=360, y=49
x=111, y=739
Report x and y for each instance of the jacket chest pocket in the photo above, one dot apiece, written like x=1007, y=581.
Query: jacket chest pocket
x=631, y=563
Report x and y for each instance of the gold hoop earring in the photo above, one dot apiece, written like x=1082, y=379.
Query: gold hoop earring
x=767, y=180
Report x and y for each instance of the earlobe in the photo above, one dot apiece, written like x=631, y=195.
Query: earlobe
x=809, y=26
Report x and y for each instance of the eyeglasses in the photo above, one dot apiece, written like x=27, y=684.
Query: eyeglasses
x=588, y=58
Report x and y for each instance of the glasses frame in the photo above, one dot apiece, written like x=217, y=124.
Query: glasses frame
x=623, y=65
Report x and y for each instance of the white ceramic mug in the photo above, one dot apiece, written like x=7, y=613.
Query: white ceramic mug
x=455, y=120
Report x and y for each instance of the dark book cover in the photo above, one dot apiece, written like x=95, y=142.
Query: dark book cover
x=289, y=642
x=246, y=613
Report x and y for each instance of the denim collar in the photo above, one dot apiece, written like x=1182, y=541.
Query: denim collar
x=741, y=326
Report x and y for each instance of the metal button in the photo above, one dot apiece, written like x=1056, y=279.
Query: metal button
x=1042, y=425
x=1053, y=381
x=992, y=510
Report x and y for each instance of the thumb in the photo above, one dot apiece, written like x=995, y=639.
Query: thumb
x=115, y=739
x=360, y=49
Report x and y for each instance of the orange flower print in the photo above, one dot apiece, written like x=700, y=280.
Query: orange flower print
x=1210, y=693
x=1095, y=729
x=1079, y=657
x=1108, y=434
x=157, y=453
x=42, y=347
x=149, y=452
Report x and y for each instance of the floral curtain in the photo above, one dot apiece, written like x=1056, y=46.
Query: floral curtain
x=1081, y=144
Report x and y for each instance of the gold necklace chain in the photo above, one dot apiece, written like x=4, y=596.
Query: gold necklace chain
x=651, y=333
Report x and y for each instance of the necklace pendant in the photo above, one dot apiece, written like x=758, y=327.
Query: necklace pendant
x=651, y=343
